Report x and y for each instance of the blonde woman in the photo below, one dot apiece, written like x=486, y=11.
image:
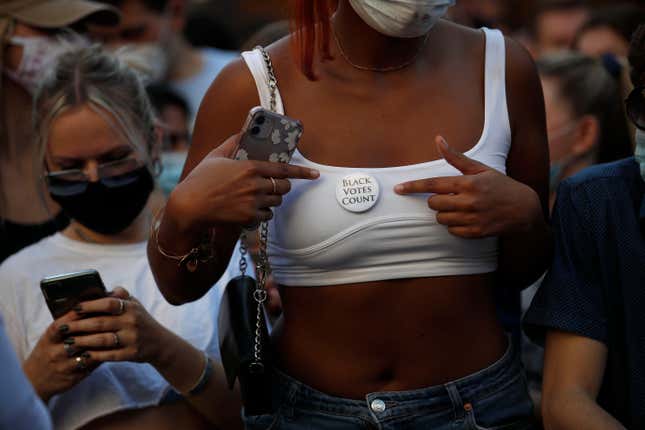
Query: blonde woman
x=129, y=360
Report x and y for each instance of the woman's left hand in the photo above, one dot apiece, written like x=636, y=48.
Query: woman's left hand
x=126, y=331
x=481, y=203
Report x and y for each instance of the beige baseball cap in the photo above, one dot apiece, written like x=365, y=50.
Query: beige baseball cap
x=57, y=13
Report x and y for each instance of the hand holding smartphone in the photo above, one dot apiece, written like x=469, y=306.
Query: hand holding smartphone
x=268, y=136
x=63, y=292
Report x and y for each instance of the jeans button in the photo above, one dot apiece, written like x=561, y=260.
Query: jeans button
x=378, y=406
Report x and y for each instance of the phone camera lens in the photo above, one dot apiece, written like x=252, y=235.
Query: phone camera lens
x=260, y=120
x=255, y=130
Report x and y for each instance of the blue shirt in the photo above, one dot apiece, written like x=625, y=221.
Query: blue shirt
x=20, y=407
x=595, y=287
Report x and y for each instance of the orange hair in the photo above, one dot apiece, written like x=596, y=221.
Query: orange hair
x=311, y=28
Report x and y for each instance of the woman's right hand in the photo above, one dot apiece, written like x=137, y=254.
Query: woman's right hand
x=220, y=190
x=52, y=366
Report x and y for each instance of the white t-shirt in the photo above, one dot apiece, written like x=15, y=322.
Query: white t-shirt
x=112, y=386
x=194, y=88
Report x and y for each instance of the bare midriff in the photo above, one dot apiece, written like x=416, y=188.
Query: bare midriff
x=397, y=335
x=173, y=416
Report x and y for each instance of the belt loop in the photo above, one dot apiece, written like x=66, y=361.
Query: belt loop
x=457, y=402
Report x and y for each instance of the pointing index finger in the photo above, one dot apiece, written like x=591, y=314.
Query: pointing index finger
x=442, y=185
x=286, y=171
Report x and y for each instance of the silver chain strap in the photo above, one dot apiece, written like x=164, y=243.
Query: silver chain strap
x=273, y=82
x=260, y=294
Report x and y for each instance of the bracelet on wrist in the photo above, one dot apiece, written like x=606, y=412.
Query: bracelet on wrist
x=203, y=378
x=202, y=253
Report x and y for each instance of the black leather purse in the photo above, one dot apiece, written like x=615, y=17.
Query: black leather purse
x=243, y=334
x=244, y=338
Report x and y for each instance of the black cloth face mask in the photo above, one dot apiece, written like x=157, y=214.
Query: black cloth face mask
x=108, y=206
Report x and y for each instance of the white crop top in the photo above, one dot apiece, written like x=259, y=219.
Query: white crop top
x=315, y=239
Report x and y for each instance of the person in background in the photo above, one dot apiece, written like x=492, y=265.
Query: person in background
x=479, y=13
x=609, y=30
x=154, y=28
x=555, y=24
x=586, y=123
x=20, y=407
x=121, y=361
x=589, y=309
x=174, y=116
x=29, y=41
x=267, y=35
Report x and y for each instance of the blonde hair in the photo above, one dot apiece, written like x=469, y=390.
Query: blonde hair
x=91, y=76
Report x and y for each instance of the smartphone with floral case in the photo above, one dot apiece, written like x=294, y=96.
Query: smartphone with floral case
x=268, y=136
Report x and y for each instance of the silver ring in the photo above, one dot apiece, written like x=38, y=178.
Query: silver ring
x=275, y=186
x=121, y=307
x=69, y=350
x=117, y=341
x=81, y=363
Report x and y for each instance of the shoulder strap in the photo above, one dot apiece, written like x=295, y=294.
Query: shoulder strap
x=257, y=64
x=496, y=105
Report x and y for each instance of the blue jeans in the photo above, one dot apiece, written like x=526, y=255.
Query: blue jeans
x=495, y=398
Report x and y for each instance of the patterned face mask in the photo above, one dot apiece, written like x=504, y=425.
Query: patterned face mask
x=38, y=53
x=401, y=18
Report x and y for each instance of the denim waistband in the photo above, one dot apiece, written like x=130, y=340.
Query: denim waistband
x=451, y=396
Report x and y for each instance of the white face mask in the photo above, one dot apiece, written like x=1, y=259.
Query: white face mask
x=401, y=18
x=640, y=150
x=150, y=59
x=38, y=53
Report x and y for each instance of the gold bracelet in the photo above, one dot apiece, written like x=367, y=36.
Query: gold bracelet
x=202, y=253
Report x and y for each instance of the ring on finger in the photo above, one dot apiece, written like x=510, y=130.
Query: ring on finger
x=81, y=362
x=117, y=341
x=69, y=350
x=275, y=186
x=121, y=307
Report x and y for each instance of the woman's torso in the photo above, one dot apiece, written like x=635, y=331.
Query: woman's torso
x=395, y=334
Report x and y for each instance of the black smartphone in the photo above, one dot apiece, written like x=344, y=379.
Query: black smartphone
x=268, y=136
x=63, y=292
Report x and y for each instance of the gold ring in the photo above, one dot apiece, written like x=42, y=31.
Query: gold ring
x=275, y=186
x=117, y=341
x=121, y=307
x=81, y=364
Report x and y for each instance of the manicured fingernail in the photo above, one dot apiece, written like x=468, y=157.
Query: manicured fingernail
x=69, y=341
x=314, y=173
x=78, y=308
x=399, y=189
x=443, y=143
x=64, y=328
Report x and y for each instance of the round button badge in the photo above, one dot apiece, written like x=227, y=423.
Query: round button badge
x=357, y=192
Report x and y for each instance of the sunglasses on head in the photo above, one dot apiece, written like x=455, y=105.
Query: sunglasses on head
x=635, y=105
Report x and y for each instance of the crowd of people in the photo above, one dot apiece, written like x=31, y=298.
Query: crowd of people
x=495, y=280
